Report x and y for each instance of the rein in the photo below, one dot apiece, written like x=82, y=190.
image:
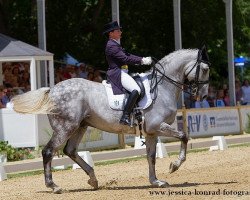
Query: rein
x=193, y=85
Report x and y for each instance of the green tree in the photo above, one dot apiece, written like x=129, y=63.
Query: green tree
x=76, y=27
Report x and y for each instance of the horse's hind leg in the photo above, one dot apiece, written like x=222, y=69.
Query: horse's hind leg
x=48, y=152
x=151, y=142
x=63, y=129
x=71, y=150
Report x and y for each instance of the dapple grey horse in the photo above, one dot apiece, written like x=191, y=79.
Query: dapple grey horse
x=73, y=105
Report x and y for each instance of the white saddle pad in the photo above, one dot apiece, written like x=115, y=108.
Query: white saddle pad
x=117, y=102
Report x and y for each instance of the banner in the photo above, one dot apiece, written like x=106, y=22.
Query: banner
x=210, y=122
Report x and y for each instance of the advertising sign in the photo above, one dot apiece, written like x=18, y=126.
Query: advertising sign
x=212, y=122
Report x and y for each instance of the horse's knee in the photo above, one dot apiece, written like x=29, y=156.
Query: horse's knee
x=183, y=137
x=47, y=154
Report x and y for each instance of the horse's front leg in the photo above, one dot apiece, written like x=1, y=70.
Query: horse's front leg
x=151, y=142
x=167, y=130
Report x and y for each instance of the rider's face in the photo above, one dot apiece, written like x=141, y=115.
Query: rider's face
x=116, y=34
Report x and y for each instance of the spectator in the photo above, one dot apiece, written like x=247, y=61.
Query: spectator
x=4, y=97
x=97, y=76
x=26, y=67
x=1, y=97
x=246, y=92
x=59, y=75
x=201, y=104
x=90, y=76
x=226, y=98
x=219, y=101
x=72, y=71
x=25, y=80
x=66, y=74
x=16, y=73
x=238, y=92
x=211, y=96
x=82, y=71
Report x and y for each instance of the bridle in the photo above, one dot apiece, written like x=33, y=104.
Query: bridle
x=192, y=86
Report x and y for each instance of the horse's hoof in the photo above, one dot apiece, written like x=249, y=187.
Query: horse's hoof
x=57, y=190
x=173, y=167
x=161, y=184
x=93, y=183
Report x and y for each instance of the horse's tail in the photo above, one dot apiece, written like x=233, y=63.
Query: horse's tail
x=34, y=102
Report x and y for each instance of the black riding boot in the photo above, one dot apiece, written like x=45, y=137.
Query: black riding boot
x=129, y=107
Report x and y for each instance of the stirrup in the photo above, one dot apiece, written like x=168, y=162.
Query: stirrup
x=125, y=121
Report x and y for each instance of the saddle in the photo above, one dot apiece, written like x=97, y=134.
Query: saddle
x=117, y=102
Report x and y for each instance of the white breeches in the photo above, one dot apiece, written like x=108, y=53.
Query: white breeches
x=129, y=83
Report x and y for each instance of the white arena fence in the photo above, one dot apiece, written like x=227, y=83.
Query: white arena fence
x=34, y=130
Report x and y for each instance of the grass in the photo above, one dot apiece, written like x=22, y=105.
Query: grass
x=124, y=160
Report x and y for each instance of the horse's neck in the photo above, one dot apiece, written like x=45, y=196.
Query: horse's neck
x=173, y=67
x=174, y=63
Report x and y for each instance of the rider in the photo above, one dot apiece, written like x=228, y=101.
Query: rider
x=118, y=59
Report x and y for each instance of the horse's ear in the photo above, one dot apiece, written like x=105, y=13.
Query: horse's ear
x=203, y=56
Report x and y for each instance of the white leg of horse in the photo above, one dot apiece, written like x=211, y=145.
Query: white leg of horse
x=63, y=130
x=48, y=153
x=166, y=130
x=151, y=141
x=71, y=150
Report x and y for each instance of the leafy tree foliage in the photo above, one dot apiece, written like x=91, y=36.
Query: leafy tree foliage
x=76, y=27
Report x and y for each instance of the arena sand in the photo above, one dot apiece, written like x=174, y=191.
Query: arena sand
x=205, y=175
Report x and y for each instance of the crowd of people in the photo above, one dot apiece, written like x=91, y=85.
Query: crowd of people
x=16, y=80
x=81, y=71
x=220, y=97
x=16, y=77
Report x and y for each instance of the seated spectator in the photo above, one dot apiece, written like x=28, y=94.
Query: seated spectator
x=219, y=101
x=97, y=76
x=7, y=78
x=226, y=98
x=72, y=71
x=25, y=80
x=245, y=92
x=26, y=67
x=59, y=75
x=201, y=104
x=5, y=99
x=238, y=92
x=1, y=97
x=66, y=74
x=90, y=76
x=90, y=69
x=211, y=96
x=83, y=71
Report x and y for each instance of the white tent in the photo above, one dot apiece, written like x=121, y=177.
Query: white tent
x=18, y=129
x=12, y=50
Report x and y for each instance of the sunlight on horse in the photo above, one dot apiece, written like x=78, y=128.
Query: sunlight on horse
x=73, y=105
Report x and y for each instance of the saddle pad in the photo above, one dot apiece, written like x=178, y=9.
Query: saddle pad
x=117, y=102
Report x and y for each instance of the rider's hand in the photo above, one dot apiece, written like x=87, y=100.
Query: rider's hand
x=146, y=61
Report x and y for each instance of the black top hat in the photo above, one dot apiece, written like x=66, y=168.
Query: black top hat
x=111, y=26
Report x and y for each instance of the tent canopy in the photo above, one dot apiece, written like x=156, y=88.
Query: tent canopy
x=10, y=47
x=12, y=50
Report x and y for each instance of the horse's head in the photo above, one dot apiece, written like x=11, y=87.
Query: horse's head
x=197, y=74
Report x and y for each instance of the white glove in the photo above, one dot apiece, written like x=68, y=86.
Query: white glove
x=146, y=61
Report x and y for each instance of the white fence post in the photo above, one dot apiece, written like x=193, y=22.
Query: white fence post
x=3, y=175
x=85, y=155
x=221, y=143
